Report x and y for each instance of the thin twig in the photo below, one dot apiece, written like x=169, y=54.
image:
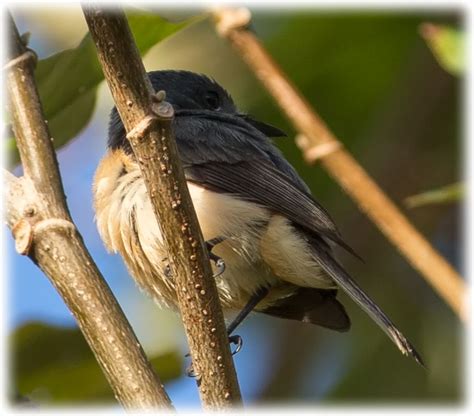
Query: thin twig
x=37, y=213
x=148, y=126
x=319, y=143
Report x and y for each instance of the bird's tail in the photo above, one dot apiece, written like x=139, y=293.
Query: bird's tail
x=348, y=285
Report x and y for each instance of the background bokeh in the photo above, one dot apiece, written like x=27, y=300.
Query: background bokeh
x=374, y=81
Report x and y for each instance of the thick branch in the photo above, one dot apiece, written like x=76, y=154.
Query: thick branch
x=319, y=142
x=148, y=125
x=37, y=213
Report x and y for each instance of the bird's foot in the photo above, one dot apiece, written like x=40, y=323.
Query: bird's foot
x=233, y=340
x=237, y=341
x=218, y=261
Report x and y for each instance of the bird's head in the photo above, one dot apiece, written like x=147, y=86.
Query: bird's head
x=193, y=95
x=187, y=90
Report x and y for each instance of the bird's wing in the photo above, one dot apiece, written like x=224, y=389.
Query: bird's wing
x=225, y=153
x=260, y=182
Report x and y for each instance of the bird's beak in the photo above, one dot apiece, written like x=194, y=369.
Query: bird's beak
x=267, y=129
x=238, y=119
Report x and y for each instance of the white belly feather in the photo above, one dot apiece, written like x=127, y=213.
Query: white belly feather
x=260, y=249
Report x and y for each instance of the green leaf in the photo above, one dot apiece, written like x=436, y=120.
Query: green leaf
x=67, y=81
x=444, y=195
x=447, y=45
x=55, y=364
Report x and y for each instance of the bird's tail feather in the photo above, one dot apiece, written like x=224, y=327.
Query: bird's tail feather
x=348, y=285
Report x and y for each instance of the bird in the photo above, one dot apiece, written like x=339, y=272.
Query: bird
x=256, y=214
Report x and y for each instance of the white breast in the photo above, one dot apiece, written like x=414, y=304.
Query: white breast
x=260, y=249
x=127, y=224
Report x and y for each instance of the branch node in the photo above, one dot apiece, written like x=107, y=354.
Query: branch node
x=228, y=20
x=36, y=204
x=25, y=230
x=50, y=224
x=142, y=128
x=23, y=234
x=163, y=109
x=312, y=153
x=148, y=121
x=160, y=96
x=28, y=55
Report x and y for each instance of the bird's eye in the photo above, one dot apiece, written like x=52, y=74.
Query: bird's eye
x=212, y=100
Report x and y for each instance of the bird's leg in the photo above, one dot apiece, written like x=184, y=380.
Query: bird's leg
x=249, y=307
x=252, y=302
x=237, y=339
x=218, y=261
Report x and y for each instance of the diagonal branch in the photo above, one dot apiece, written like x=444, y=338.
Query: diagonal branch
x=148, y=126
x=318, y=143
x=36, y=212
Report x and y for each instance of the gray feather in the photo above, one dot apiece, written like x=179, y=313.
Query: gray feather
x=262, y=183
x=350, y=287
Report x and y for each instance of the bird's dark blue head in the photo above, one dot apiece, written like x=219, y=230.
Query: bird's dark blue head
x=190, y=91
x=195, y=98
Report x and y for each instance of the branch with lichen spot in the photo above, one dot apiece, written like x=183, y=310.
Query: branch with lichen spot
x=36, y=212
x=147, y=121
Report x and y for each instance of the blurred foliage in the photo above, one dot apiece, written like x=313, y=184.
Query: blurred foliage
x=67, y=81
x=447, y=45
x=371, y=81
x=374, y=82
x=445, y=195
x=348, y=65
x=54, y=364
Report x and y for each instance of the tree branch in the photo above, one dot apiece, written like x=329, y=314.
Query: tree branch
x=318, y=143
x=36, y=212
x=148, y=125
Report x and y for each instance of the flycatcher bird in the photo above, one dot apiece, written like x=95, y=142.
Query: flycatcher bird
x=254, y=210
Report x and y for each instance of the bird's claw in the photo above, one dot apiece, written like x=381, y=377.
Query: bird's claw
x=190, y=371
x=218, y=261
x=220, y=264
x=233, y=339
x=238, y=342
